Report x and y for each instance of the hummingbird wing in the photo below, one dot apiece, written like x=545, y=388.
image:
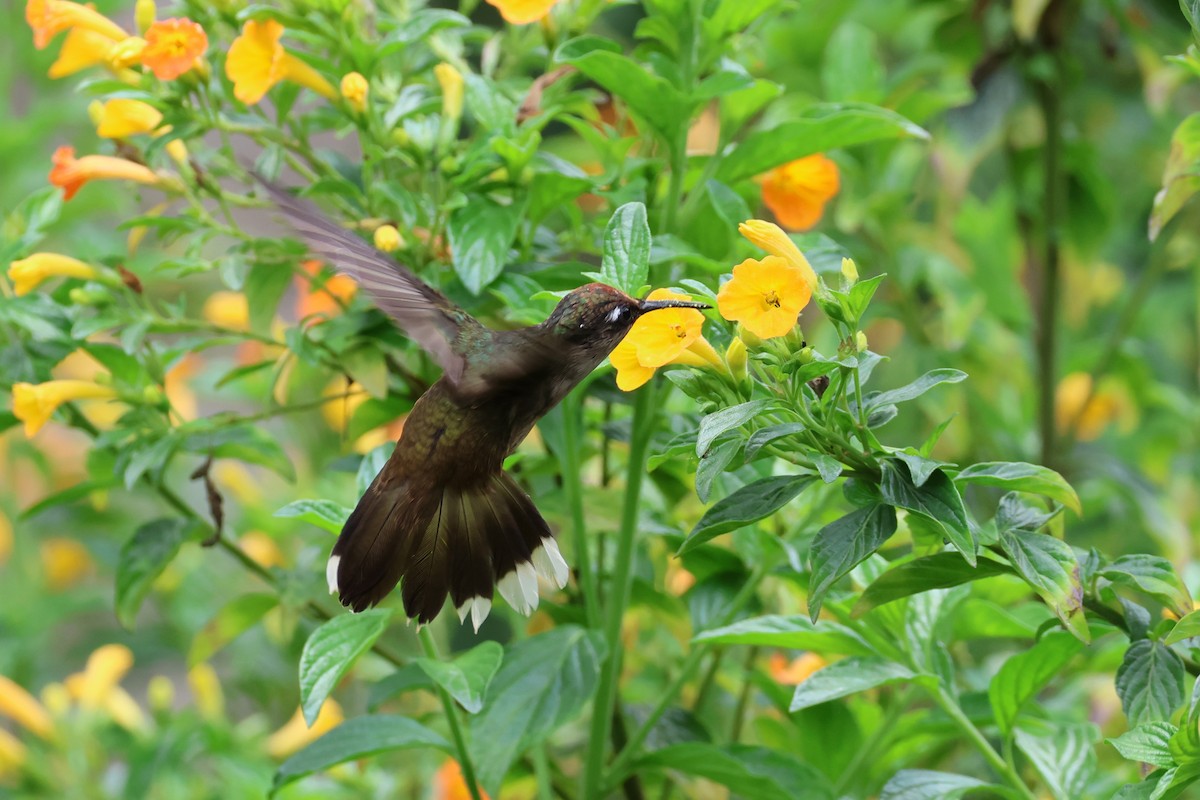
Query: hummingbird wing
x=425, y=314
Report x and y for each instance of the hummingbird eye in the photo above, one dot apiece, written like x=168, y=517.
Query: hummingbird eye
x=618, y=314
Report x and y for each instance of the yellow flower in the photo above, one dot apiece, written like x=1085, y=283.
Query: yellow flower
x=736, y=358
x=296, y=733
x=257, y=61
x=664, y=337
x=104, y=669
x=388, y=239
x=34, y=404
x=340, y=408
x=71, y=173
x=81, y=49
x=24, y=709
x=48, y=18
x=1089, y=410
x=764, y=296
x=206, y=691
x=172, y=47
x=770, y=237
x=451, y=81
x=126, y=53
x=797, y=192
x=521, y=12
x=227, y=309
x=12, y=753
x=28, y=273
x=123, y=117
x=262, y=549
x=238, y=481
x=355, y=90
x=144, y=14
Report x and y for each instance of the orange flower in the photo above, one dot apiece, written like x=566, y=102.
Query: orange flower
x=48, y=18
x=797, y=192
x=326, y=299
x=765, y=296
x=257, y=61
x=521, y=12
x=71, y=173
x=796, y=671
x=449, y=781
x=172, y=47
x=667, y=336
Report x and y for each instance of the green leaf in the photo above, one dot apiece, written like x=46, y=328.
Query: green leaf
x=727, y=419
x=752, y=502
x=1147, y=744
x=466, y=678
x=481, y=233
x=1062, y=754
x=793, y=632
x=1050, y=567
x=331, y=649
x=1021, y=477
x=1181, y=177
x=844, y=544
x=846, y=677
x=358, y=738
x=919, y=467
x=626, y=260
x=405, y=679
x=1150, y=682
x=924, y=784
x=244, y=442
x=1153, y=575
x=939, y=571
x=544, y=681
x=653, y=100
x=1187, y=627
x=764, y=436
x=1026, y=673
x=749, y=771
x=819, y=128
x=936, y=499
x=322, y=513
x=143, y=558
x=264, y=287
x=728, y=204
x=234, y=619
x=851, y=69
x=915, y=389
x=712, y=464
x=368, y=468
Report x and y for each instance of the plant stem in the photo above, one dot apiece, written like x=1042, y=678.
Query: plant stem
x=1047, y=335
x=572, y=410
x=618, y=596
x=460, y=743
x=880, y=734
x=743, y=701
x=949, y=705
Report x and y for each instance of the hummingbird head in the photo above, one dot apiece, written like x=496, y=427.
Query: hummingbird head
x=596, y=317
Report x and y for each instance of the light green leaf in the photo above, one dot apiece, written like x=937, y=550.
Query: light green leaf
x=793, y=632
x=1026, y=673
x=764, y=436
x=748, y=504
x=1147, y=744
x=244, y=442
x=481, y=233
x=626, y=260
x=728, y=204
x=357, y=738
x=332, y=649
x=143, y=558
x=1021, y=477
x=846, y=677
x=915, y=389
x=235, y=618
x=1181, y=178
x=851, y=69
x=323, y=513
x=844, y=544
x=1050, y=567
x=1062, y=754
x=713, y=425
x=1153, y=575
x=939, y=571
x=936, y=499
x=544, y=681
x=1185, y=628
x=749, y=771
x=1150, y=682
x=466, y=678
x=924, y=784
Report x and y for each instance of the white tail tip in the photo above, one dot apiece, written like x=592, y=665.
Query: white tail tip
x=331, y=573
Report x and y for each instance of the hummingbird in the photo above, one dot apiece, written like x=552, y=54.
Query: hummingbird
x=442, y=517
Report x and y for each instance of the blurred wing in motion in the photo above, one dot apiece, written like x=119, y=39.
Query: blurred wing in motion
x=426, y=315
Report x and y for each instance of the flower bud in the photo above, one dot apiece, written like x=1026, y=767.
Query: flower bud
x=83, y=296
x=749, y=339
x=144, y=14
x=388, y=239
x=451, y=81
x=160, y=693
x=735, y=357
x=805, y=355
x=860, y=341
x=355, y=90
x=850, y=271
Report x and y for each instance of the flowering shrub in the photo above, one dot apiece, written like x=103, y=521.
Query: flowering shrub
x=799, y=567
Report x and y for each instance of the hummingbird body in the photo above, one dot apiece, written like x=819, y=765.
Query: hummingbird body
x=442, y=518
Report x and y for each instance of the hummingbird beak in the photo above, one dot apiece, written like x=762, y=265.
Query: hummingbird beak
x=655, y=305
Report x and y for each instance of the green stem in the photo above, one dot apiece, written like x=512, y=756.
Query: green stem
x=460, y=743
x=572, y=410
x=878, y=736
x=618, y=597
x=541, y=769
x=949, y=705
x=743, y=701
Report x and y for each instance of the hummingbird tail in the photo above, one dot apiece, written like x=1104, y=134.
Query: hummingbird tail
x=461, y=541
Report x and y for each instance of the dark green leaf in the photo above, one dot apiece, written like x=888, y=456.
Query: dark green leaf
x=1153, y=575
x=727, y=419
x=245, y=442
x=748, y=504
x=1021, y=477
x=712, y=464
x=920, y=467
x=1026, y=673
x=1062, y=753
x=749, y=771
x=1050, y=567
x=924, y=784
x=765, y=436
x=466, y=678
x=915, y=389
x=1147, y=744
x=235, y=618
x=332, y=649
x=405, y=679
x=1150, y=682
x=264, y=287
x=544, y=681
x=322, y=513
x=358, y=738
x=728, y=204
x=626, y=260
x=939, y=571
x=143, y=558
x=846, y=677
x=936, y=499
x=844, y=544
x=480, y=235
x=795, y=632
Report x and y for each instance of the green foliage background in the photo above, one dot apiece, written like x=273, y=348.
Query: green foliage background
x=999, y=164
